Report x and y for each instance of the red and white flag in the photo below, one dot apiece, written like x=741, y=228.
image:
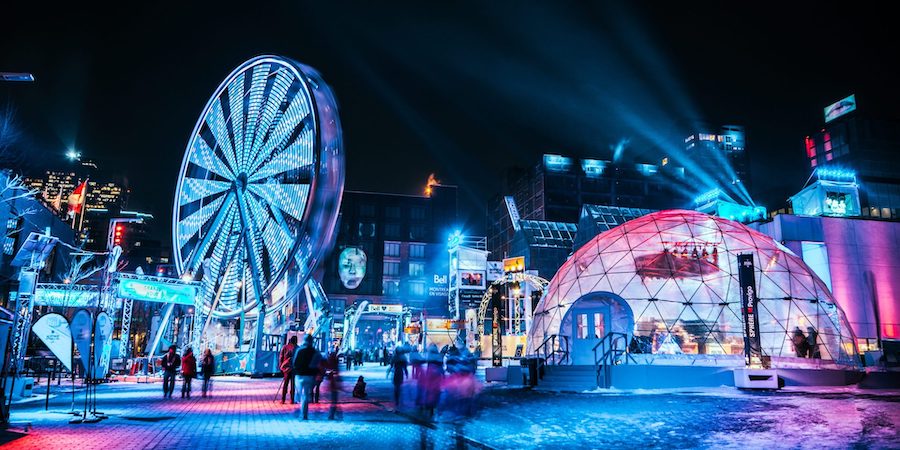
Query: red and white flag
x=76, y=199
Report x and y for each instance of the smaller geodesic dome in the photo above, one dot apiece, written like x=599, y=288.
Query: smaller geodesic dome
x=669, y=282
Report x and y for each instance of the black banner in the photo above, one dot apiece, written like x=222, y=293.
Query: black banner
x=749, y=301
x=496, y=340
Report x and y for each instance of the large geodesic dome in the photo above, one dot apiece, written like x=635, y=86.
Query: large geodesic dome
x=669, y=282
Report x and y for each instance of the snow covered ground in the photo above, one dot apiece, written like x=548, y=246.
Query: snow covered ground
x=696, y=418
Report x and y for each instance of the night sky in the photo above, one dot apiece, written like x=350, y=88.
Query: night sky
x=461, y=89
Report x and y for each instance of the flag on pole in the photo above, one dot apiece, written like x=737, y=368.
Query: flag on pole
x=76, y=199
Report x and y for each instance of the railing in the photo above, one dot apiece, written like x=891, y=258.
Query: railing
x=554, y=350
x=609, y=352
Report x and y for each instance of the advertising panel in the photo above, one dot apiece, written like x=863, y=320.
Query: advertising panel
x=156, y=291
x=471, y=279
x=53, y=330
x=494, y=270
x=749, y=300
x=102, y=344
x=839, y=108
x=352, y=267
x=59, y=295
x=81, y=335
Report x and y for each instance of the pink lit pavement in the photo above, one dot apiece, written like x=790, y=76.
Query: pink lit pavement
x=241, y=413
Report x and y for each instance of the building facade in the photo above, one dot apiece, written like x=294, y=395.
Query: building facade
x=868, y=146
x=392, y=249
x=556, y=189
x=720, y=152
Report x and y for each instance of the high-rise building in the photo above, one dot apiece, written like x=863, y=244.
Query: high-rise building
x=721, y=154
x=556, y=189
x=851, y=141
x=56, y=186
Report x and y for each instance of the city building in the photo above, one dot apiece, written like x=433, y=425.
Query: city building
x=390, y=249
x=21, y=215
x=101, y=199
x=721, y=153
x=556, y=189
x=858, y=260
x=851, y=140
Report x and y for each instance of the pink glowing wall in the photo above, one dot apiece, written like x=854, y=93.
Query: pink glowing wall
x=864, y=262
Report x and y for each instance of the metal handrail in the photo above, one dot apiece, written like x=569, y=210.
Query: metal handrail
x=554, y=352
x=611, y=354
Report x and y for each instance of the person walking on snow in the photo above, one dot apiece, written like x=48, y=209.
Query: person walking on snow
x=170, y=363
x=306, y=363
x=188, y=372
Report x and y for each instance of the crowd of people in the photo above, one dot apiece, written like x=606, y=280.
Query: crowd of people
x=431, y=380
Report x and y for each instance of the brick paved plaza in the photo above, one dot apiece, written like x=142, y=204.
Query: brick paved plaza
x=244, y=413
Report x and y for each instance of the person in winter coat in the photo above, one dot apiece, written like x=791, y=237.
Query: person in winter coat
x=170, y=363
x=306, y=364
x=812, y=343
x=188, y=372
x=287, y=370
x=359, y=390
x=207, y=367
x=798, y=340
x=398, y=368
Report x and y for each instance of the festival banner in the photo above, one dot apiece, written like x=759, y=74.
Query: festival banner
x=102, y=344
x=749, y=300
x=53, y=330
x=81, y=335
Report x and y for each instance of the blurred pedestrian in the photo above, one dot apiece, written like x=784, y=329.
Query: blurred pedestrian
x=287, y=370
x=798, y=340
x=430, y=383
x=306, y=363
x=188, y=372
x=398, y=369
x=207, y=367
x=812, y=343
x=170, y=363
x=334, y=383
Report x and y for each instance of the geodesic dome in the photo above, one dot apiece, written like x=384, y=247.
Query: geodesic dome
x=676, y=271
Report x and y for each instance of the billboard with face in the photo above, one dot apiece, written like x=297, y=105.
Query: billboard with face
x=352, y=267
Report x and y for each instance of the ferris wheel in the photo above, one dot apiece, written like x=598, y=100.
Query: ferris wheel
x=259, y=187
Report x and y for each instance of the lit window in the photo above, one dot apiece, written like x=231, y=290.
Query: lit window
x=391, y=249
x=390, y=287
x=582, y=326
x=416, y=250
x=416, y=269
x=391, y=268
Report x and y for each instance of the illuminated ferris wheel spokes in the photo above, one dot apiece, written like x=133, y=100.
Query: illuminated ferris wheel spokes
x=247, y=182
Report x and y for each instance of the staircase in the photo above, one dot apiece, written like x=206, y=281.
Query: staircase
x=568, y=378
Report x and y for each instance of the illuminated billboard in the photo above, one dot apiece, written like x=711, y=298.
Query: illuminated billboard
x=839, y=108
x=471, y=279
x=65, y=296
x=836, y=203
x=352, y=267
x=156, y=291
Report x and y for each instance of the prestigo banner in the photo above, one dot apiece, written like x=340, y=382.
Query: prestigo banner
x=53, y=330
